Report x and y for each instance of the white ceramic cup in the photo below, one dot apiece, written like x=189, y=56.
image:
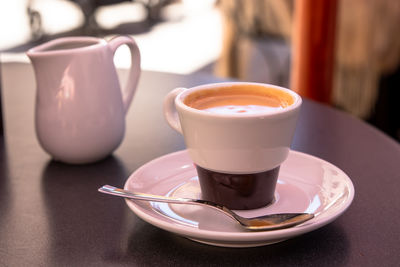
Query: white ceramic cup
x=234, y=144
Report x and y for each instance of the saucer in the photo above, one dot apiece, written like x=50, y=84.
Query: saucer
x=305, y=184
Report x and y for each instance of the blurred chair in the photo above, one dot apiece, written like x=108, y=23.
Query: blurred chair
x=255, y=40
x=89, y=7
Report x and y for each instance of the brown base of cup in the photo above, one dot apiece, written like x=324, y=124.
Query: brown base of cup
x=238, y=191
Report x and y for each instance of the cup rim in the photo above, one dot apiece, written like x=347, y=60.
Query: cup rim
x=181, y=96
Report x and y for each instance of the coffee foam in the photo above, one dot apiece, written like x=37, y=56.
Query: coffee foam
x=239, y=109
x=239, y=99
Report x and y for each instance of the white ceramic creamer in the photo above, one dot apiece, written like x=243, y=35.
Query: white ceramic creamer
x=80, y=108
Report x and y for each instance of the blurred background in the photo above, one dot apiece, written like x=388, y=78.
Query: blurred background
x=252, y=40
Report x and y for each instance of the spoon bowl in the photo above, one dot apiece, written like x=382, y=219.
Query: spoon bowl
x=260, y=223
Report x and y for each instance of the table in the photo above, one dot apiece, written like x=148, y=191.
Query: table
x=52, y=215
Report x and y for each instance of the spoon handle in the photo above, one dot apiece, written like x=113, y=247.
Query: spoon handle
x=266, y=222
x=111, y=190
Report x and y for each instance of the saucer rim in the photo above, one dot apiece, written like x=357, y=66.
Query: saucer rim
x=243, y=236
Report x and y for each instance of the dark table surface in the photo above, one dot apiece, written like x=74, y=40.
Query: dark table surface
x=52, y=215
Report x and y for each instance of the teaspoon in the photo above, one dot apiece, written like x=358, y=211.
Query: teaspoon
x=261, y=223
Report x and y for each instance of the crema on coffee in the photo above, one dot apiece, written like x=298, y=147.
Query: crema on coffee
x=236, y=99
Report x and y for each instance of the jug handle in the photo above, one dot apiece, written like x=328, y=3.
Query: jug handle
x=134, y=73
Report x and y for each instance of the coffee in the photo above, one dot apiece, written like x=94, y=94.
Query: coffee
x=238, y=191
x=237, y=99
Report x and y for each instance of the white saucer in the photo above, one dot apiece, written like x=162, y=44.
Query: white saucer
x=305, y=184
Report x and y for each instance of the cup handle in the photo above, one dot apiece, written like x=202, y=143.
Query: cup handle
x=170, y=112
x=134, y=72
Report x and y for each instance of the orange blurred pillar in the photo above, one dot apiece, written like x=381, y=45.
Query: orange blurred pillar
x=313, y=48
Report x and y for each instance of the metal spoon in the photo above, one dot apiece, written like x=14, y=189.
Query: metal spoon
x=261, y=223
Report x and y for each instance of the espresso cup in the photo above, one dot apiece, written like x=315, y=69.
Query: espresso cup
x=237, y=134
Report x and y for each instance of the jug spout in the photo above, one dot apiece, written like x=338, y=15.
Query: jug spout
x=40, y=51
x=33, y=55
x=46, y=67
x=59, y=52
x=40, y=58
